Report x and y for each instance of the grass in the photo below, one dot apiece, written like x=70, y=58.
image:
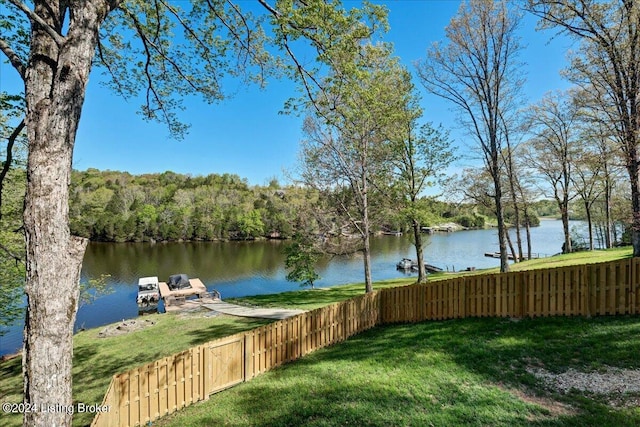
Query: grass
x=465, y=372
x=575, y=259
x=96, y=359
x=311, y=299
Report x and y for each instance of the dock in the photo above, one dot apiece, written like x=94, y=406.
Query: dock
x=222, y=307
x=510, y=256
x=183, y=304
x=257, y=312
x=180, y=295
x=179, y=300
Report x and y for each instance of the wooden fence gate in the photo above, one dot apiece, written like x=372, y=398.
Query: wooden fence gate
x=224, y=363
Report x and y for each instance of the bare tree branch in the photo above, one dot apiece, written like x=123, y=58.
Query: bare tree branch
x=59, y=39
x=12, y=255
x=7, y=164
x=14, y=59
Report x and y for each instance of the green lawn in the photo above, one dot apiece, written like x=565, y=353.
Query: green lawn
x=470, y=372
x=310, y=299
x=96, y=360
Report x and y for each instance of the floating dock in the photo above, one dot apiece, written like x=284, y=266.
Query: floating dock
x=510, y=256
x=180, y=295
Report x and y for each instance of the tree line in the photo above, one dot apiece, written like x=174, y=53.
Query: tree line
x=573, y=145
x=120, y=207
x=113, y=206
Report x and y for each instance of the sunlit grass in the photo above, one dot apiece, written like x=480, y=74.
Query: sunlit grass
x=469, y=372
x=97, y=359
x=586, y=257
x=309, y=299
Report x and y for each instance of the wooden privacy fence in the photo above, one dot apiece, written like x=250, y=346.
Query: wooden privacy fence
x=167, y=385
x=586, y=290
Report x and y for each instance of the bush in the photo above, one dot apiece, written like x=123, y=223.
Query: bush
x=471, y=221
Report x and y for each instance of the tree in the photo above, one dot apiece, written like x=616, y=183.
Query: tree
x=11, y=249
x=52, y=46
x=587, y=181
x=250, y=224
x=420, y=157
x=522, y=184
x=610, y=173
x=606, y=67
x=554, y=123
x=301, y=258
x=12, y=188
x=347, y=149
x=477, y=70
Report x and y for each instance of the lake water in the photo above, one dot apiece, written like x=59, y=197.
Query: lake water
x=250, y=268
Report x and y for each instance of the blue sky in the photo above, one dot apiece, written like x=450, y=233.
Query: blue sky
x=246, y=135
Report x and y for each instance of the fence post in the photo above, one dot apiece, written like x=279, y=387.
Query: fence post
x=117, y=392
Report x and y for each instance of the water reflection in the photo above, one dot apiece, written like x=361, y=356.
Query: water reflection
x=250, y=268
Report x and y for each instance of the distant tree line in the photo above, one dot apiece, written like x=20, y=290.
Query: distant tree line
x=120, y=207
x=113, y=206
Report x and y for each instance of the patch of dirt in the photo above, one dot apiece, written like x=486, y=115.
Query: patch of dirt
x=619, y=387
x=125, y=327
x=554, y=407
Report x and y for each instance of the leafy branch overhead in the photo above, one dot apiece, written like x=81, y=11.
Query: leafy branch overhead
x=178, y=52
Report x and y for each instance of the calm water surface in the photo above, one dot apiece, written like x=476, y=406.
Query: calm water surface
x=251, y=268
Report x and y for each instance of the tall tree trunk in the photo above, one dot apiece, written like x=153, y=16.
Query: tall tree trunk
x=417, y=236
x=502, y=227
x=368, y=283
x=587, y=207
x=366, y=231
x=518, y=232
x=633, y=168
x=502, y=241
x=564, y=214
x=608, y=229
x=528, y=230
x=511, y=173
x=512, y=248
x=527, y=220
x=54, y=90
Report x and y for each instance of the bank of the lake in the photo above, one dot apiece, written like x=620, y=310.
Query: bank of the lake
x=239, y=269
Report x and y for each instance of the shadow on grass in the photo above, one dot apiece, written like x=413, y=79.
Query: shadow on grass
x=11, y=389
x=91, y=384
x=96, y=361
x=459, y=372
x=11, y=368
x=500, y=350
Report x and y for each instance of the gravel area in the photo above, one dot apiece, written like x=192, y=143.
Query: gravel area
x=125, y=327
x=612, y=383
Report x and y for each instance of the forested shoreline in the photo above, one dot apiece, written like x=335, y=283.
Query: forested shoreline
x=112, y=206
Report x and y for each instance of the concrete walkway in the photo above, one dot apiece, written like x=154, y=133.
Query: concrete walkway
x=264, y=313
